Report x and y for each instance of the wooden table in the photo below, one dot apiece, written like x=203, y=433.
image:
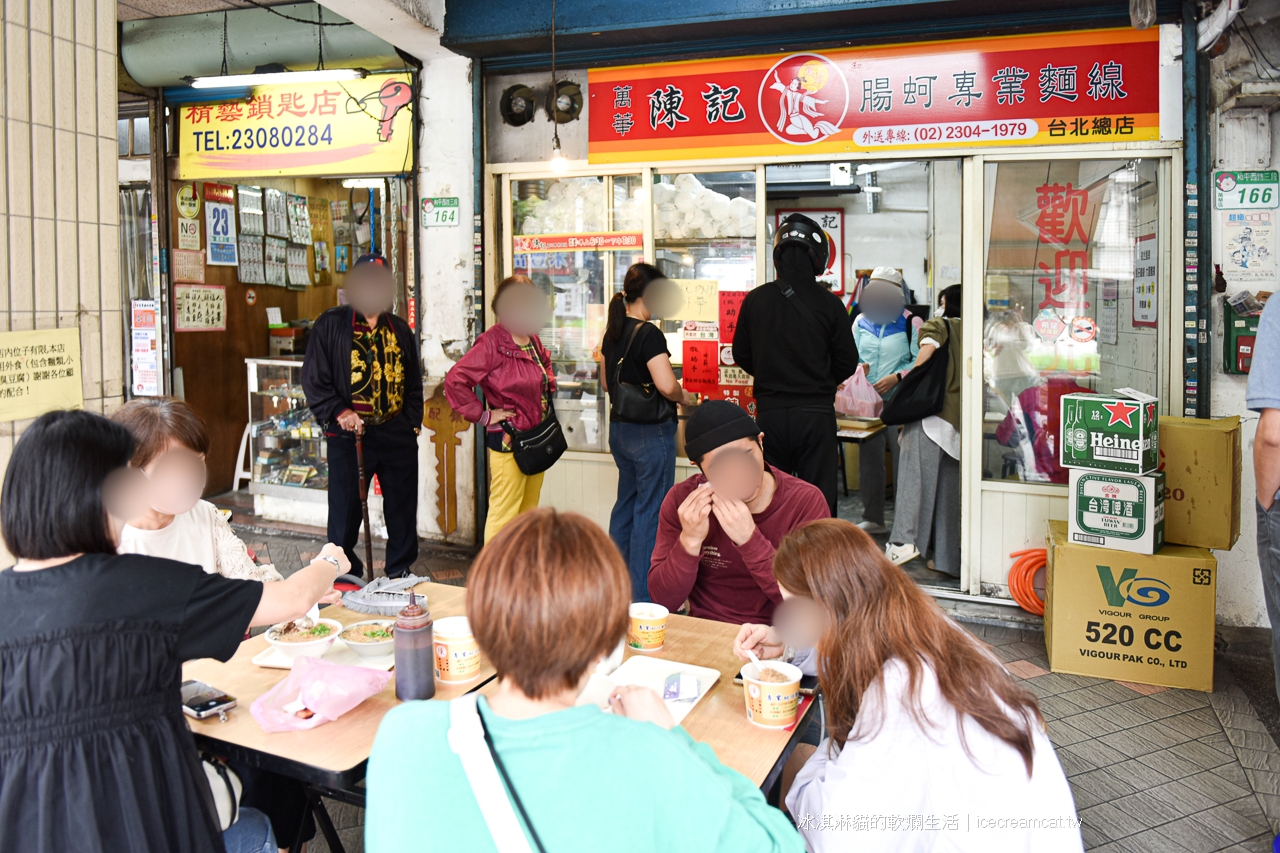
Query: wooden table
x=329, y=759
x=720, y=718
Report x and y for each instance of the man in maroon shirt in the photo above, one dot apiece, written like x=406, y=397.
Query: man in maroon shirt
x=717, y=531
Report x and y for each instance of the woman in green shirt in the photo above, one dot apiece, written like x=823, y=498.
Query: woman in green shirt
x=547, y=600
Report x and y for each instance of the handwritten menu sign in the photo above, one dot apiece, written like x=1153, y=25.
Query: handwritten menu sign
x=730, y=305
x=701, y=366
x=39, y=372
x=188, y=266
x=700, y=300
x=199, y=308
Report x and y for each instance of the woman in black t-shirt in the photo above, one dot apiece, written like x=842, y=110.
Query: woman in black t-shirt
x=95, y=754
x=635, y=353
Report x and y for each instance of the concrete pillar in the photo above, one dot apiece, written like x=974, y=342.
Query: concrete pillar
x=446, y=499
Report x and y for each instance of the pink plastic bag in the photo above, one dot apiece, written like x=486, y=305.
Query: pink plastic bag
x=858, y=398
x=328, y=690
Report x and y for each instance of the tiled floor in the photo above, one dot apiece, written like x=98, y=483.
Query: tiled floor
x=1152, y=769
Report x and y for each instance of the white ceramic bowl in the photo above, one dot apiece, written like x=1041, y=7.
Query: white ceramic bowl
x=310, y=648
x=378, y=649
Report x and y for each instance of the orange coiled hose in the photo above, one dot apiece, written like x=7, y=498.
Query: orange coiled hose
x=1022, y=577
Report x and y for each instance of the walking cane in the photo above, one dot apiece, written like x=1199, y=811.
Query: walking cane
x=364, y=503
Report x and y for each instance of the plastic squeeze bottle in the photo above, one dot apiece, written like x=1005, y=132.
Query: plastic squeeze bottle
x=415, y=657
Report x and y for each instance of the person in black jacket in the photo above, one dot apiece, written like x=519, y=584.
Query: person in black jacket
x=363, y=376
x=794, y=337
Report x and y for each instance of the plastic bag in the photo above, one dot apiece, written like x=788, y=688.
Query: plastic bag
x=857, y=398
x=315, y=692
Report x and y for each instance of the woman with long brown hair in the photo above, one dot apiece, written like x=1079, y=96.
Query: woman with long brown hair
x=928, y=732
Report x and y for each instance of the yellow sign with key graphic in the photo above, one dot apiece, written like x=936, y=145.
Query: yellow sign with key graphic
x=352, y=127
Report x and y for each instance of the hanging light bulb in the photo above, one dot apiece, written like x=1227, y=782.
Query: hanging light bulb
x=558, y=162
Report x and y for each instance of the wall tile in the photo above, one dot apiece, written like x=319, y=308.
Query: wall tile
x=20, y=285
x=107, y=107
x=108, y=182
x=68, y=266
x=107, y=27
x=112, y=353
x=45, y=265
x=40, y=18
x=19, y=167
x=4, y=171
x=86, y=90
x=65, y=202
x=16, y=50
x=42, y=171
x=90, y=269
x=23, y=321
x=87, y=21
x=46, y=320
x=109, y=260
x=87, y=177
x=15, y=12
x=91, y=354
x=64, y=19
x=64, y=84
x=4, y=268
x=41, y=77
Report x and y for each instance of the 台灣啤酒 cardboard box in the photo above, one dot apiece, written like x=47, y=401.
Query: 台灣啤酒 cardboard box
x=1119, y=433
x=1130, y=617
x=1120, y=511
x=1201, y=463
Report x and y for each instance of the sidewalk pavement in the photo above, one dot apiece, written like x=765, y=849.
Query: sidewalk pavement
x=1152, y=768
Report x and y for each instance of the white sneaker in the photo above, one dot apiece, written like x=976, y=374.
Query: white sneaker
x=899, y=554
x=873, y=528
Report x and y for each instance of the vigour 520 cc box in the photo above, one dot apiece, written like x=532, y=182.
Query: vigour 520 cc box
x=1130, y=617
x=1201, y=463
x=1117, y=511
x=1120, y=433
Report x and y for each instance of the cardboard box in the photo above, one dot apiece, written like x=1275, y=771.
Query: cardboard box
x=1116, y=511
x=1131, y=617
x=1201, y=464
x=1119, y=433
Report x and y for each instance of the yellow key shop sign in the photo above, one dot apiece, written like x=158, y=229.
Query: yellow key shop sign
x=350, y=127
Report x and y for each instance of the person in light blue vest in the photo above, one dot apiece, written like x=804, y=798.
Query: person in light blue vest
x=885, y=333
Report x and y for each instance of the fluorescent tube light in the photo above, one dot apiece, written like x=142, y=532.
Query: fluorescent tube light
x=323, y=75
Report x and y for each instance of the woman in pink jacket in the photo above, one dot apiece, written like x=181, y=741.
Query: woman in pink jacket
x=514, y=370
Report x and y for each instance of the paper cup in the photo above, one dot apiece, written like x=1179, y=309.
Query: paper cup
x=771, y=704
x=648, y=629
x=456, y=652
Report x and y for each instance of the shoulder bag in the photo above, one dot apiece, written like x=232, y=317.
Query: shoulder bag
x=637, y=404
x=471, y=742
x=537, y=449
x=924, y=390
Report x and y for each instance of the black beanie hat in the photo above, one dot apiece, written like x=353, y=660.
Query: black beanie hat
x=713, y=424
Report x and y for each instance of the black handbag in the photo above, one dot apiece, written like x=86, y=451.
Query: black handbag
x=537, y=449
x=636, y=404
x=923, y=392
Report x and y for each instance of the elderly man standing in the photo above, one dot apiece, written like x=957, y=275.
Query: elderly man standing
x=363, y=377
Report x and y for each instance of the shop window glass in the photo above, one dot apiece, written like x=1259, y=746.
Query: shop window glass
x=122, y=137
x=1070, y=298
x=576, y=237
x=141, y=136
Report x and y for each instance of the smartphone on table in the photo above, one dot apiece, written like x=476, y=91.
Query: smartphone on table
x=199, y=700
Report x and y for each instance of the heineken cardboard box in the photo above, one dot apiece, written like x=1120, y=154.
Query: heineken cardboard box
x=1117, y=511
x=1130, y=617
x=1119, y=433
x=1201, y=463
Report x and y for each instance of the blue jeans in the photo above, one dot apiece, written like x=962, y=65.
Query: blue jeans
x=646, y=459
x=1269, y=563
x=251, y=833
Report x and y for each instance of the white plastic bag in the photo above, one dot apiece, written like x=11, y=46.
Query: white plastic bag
x=857, y=398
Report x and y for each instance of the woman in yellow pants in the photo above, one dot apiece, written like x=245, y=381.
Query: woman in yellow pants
x=513, y=369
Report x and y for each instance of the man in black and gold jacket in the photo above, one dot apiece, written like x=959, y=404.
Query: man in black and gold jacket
x=363, y=376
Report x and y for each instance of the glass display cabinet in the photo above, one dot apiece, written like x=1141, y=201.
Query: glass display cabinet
x=288, y=445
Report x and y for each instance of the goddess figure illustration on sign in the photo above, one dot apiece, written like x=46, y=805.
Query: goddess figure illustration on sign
x=798, y=108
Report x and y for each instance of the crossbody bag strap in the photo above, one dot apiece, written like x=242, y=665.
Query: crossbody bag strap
x=470, y=742
x=617, y=368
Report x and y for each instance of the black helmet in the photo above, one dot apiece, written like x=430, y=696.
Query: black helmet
x=800, y=230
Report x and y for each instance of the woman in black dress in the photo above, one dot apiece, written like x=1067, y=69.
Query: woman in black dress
x=95, y=754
